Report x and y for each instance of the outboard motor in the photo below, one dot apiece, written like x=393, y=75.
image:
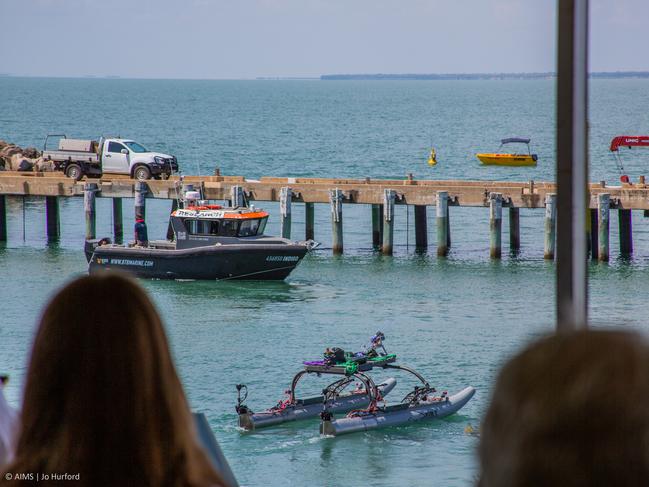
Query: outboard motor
x=326, y=428
x=244, y=412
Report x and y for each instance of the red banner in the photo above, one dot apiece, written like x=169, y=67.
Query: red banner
x=629, y=141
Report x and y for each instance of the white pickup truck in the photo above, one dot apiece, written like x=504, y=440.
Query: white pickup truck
x=77, y=158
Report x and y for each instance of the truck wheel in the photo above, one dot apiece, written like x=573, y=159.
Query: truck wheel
x=141, y=173
x=74, y=171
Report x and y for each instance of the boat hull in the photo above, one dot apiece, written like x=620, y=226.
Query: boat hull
x=310, y=408
x=507, y=159
x=398, y=415
x=216, y=262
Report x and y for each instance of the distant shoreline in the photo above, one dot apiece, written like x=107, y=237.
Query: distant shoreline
x=354, y=77
x=480, y=76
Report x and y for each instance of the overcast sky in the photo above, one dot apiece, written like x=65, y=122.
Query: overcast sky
x=250, y=38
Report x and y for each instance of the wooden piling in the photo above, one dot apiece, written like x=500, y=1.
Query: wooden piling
x=550, y=226
x=495, y=225
x=53, y=225
x=389, y=195
x=89, y=190
x=377, y=226
x=626, y=231
x=448, y=225
x=381, y=209
x=3, y=218
x=336, y=202
x=514, y=229
x=421, y=228
x=309, y=221
x=140, y=200
x=594, y=240
x=603, y=207
x=285, y=197
x=118, y=221
x=442, y=223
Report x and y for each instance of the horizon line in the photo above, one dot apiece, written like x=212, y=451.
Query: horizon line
x=343, y=76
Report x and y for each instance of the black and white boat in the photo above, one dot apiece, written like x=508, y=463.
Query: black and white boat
x=209, y=242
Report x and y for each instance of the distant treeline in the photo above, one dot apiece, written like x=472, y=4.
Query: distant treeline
x=474, y=76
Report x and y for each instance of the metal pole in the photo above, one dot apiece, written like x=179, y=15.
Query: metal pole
x=572, y=164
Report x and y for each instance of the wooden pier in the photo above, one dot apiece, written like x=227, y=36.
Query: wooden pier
x=381, y=194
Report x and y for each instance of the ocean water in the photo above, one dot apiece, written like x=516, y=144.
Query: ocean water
x=456, y=320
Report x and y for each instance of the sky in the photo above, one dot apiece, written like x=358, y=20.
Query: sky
x=234, y=39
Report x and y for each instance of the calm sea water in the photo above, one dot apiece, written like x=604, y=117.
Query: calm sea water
x=455, y=320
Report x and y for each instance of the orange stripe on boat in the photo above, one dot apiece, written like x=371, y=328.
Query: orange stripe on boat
x=245, y=216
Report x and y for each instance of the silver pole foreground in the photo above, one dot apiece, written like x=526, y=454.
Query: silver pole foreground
x=572, y=165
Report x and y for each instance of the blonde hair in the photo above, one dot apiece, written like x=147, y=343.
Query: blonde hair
x=102, y=396
x=570, y=410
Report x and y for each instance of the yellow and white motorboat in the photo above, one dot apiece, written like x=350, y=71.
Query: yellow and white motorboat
x=504, y=159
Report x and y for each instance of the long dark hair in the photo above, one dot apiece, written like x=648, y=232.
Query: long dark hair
x=102, y=397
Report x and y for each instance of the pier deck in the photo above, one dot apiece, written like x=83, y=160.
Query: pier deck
x=381, y=194
x=529, y=194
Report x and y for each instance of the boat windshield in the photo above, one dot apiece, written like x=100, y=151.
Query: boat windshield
x=249, y=228
x=262, y=226
x=226, y=228
x=135, y=147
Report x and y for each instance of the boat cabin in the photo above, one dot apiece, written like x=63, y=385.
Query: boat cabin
x=199, y=226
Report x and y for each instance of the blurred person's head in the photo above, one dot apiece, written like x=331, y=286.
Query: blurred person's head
x=102, y=396
x=570, y=410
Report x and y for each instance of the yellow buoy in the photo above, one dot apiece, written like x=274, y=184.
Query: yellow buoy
x=432, y=159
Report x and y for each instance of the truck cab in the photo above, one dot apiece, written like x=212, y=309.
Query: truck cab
x=77, y=158
x=125, y=156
